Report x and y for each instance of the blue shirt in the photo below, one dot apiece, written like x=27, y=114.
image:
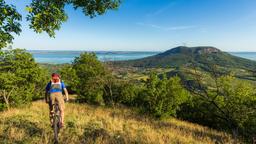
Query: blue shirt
x=55, y=87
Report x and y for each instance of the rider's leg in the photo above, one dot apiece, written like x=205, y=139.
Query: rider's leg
x=61, y=106
x=51, y=101
x=62, y=117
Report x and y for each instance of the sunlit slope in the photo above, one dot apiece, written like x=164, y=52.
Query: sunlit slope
x=90, y=124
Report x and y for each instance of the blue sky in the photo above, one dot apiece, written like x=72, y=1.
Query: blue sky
x=151, y=25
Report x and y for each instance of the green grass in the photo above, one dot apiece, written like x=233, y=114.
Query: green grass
x=90, y=124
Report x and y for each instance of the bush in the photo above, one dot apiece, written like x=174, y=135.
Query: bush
x=68, y=75
x=163, y=97
x=86, y=77
x=22, y=80
x=122, y=92
x=90, y=73
x=129, y=94
x=229, y=105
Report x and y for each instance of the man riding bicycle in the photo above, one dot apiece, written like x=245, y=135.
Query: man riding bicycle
x=53, y=94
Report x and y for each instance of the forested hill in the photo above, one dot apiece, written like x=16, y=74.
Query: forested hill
x=182, y=55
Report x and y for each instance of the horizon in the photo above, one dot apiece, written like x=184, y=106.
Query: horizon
x=133, y=50
x=151, y=25
x=122, y=51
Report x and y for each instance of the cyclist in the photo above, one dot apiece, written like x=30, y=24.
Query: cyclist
x=53, y=94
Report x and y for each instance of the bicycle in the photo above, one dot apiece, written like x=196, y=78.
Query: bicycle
x=56, y=122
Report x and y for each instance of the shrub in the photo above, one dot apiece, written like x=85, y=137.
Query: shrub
x=129, y=94
x=86, y=77
x=228, y=104
x=163, y=97
x=68, y=75
x=21, y=78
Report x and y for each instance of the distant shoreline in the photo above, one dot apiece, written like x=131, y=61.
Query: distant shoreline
x=62, y=57
x=121, y=51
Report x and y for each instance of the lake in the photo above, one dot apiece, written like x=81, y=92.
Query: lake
x=60, y=57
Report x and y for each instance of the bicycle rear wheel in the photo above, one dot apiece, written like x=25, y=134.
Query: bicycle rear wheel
x=56, y=123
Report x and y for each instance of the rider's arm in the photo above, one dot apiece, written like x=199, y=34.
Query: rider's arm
x=66, y=93
x=46, y=96
x=47, y=92
x=65, y=90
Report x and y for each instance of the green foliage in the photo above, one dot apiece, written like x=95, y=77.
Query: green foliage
x=21, y=78
x=46, y=15
x=68, y=75
x=129, y=94
x=86, y=76
x=162, y=97
x=229, y=104
x=9, y=23
x=121, y=92
x=90, y=72
x=94, y=83
x=92, y=8
x=237, y=100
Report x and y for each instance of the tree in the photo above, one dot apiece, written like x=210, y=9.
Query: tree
x=129, y=93
x=237, y=101
x=162, y=97
x=86, y=76
x=224, y=102
x=47, y=15
x=68, y=75
x=21, y=79
x=9, y=23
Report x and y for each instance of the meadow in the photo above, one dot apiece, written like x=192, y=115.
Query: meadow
x=101, y=125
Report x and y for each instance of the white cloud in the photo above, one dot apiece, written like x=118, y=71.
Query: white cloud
x=161, y=10
x=172, y=28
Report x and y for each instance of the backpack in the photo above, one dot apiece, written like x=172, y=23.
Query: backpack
x=60, y=87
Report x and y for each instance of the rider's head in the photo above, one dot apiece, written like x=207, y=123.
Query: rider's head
x=55, y=77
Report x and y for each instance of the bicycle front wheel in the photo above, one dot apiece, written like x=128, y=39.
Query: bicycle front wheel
x=56, y=129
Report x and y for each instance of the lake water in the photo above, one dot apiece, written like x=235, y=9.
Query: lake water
x=247, y=55
x=59, y=57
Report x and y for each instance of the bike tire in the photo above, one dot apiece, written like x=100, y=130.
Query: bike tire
x=56, y=129
x=56, y=126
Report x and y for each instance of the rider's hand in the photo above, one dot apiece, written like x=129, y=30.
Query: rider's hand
x=66, y=99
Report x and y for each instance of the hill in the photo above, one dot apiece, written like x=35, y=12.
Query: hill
x=91, y=124
x=200, y=56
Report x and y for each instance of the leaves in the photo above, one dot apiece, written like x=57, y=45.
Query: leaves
x=20, y=77
x=9, y=23
x=163, y=97
x=46, y=15
x=86, y=76
x=93, y=8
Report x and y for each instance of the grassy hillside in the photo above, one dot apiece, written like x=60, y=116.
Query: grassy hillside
x=90, y=124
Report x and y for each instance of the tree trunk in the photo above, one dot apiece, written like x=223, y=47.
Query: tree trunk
x=6, y=99
x=6, y=96
x=235, y=134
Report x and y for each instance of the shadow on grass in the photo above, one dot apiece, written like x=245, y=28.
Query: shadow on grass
x=19, y=130
x=198, y=134
x=95, y=134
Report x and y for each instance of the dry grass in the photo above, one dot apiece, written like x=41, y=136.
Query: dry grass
x=90, y=124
